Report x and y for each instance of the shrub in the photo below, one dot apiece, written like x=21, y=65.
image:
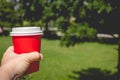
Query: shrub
x=77, y=33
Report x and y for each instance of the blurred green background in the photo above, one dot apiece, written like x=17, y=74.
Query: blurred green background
x=85, y=60
x=81, y=38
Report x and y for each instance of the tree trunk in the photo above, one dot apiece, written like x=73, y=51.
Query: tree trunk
x=118, y=74
x=46, y=27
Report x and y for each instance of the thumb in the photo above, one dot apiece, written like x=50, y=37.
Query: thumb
x=33, y=56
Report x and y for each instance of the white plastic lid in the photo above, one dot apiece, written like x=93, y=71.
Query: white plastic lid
x=23, y=31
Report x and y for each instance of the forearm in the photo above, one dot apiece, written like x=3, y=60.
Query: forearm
x=4, y=75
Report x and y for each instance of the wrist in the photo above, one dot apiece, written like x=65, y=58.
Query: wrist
x=4, y=75
x=7, y=75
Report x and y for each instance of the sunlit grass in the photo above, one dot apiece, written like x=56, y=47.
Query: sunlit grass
x=60, y=62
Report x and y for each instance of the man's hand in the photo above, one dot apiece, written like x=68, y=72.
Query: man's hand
x=16, y=64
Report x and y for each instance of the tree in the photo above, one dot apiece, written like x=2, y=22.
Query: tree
x=8, y=16
x=74, y=17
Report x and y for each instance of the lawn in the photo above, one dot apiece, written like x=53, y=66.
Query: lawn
x=84, y=60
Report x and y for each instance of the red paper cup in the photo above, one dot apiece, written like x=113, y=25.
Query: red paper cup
x=25, y=40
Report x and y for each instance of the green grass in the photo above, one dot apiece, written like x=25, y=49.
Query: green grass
x=60, y=62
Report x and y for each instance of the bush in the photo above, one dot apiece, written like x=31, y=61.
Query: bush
x=6, y=33
x=77, y=33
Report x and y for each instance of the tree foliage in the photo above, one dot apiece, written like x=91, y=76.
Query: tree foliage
x=8, y=15
x=98, y=14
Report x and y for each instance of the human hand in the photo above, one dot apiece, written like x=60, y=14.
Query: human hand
x=13, y=64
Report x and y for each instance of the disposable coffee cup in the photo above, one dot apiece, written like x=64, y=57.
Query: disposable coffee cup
x=26, y=40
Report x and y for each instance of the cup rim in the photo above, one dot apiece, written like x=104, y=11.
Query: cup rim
x=23, y=31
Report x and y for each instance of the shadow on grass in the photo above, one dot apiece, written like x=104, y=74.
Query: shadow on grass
x=93, y=74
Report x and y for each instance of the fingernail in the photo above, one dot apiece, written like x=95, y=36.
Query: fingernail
x=41, y=56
